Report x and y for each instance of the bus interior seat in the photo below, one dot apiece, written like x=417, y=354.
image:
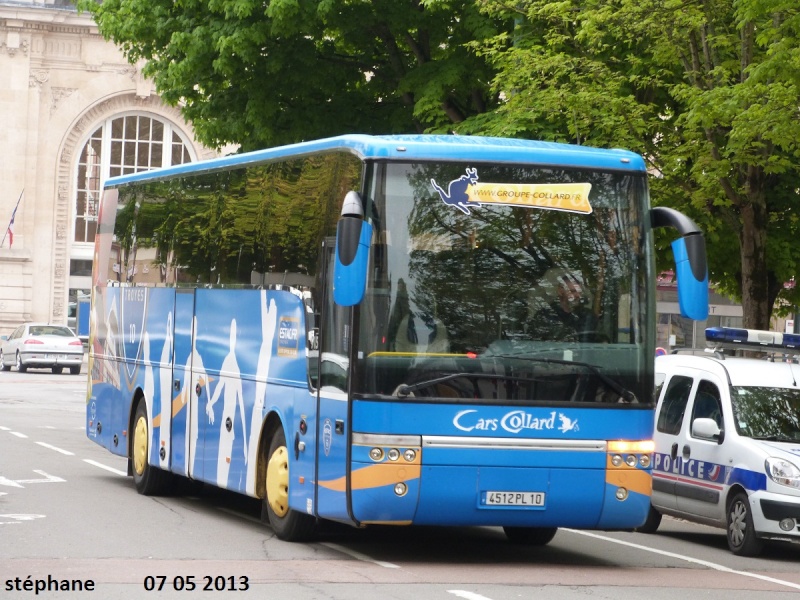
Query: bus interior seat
x=422, y=333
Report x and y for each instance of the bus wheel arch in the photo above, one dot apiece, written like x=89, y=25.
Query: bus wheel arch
x=149, y=480
x=288, y=524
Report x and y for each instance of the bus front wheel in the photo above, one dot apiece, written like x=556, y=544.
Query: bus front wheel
x=149, y=481
x=287, y=523
x=531, y=536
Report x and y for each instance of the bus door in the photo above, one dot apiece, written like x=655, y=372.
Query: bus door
x=184, y=406
x=333, y=435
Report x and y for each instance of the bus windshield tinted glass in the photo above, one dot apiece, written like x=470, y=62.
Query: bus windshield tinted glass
x=767, y=413
x=507, y=283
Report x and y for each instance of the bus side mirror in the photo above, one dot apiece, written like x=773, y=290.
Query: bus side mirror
x=353, y=238
x=691, y=268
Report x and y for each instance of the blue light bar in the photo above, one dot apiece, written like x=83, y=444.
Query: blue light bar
x=753, y=339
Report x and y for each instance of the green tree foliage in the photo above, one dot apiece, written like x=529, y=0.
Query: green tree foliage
x=261, y=74
x=706, y=90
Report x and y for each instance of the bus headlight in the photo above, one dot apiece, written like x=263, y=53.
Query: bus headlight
x=782, y=472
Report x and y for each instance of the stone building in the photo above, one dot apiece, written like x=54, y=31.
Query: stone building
x=74, y=113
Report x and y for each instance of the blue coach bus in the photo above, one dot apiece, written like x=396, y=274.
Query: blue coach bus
x=434, y=330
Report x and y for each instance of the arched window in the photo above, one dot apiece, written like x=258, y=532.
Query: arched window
x=123, y=144
x=120, y=146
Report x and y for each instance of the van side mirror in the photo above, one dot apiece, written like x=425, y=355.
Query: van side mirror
x=353, y=239
x=707, y=429
x=691, y=267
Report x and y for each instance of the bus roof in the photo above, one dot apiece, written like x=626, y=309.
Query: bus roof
x=412, y=148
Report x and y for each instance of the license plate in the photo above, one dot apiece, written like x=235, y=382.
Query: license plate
x=515, y=498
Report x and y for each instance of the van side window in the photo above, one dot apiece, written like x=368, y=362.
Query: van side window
x=673, y=408
x=707, y=404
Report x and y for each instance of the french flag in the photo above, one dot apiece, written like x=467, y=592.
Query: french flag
x=10, y=230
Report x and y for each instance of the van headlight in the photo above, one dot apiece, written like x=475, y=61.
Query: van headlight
x=783, y=472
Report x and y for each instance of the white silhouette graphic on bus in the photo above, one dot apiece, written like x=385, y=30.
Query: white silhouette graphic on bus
x=230, y=382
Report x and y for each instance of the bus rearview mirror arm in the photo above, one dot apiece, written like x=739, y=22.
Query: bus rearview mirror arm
x=353, y=238
x=691, y=266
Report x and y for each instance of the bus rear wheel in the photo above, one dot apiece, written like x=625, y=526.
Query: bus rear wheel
x=288, y=524
x=149, y=480
x=531, y=536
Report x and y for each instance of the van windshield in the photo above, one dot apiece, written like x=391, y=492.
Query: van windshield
x=767, y=413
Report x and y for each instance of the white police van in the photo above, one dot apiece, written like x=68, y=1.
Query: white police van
x=727, y=440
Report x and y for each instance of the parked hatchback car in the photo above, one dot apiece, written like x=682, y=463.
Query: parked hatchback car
x=727, y=445
x=42, y=346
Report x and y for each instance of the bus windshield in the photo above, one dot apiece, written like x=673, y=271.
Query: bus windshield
x=529, y=296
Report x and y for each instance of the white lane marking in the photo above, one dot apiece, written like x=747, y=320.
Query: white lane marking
x=697, y=561
x=106, y=467
x=358, y=555
x=47, y=478
x=46, y=427
x=16, y=519
x=4, y=428
x=18, y=434
x=467, y=595
x=46, y=445
x=21, y=517
x=9, y=482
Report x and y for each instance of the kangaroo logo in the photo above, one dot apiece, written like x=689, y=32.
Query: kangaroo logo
x=456, y=194
x=567, y=424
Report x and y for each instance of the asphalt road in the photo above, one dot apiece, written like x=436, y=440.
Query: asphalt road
x=69, y=516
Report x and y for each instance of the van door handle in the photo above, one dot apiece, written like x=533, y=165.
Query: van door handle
x=674, y=452
x=686, y=452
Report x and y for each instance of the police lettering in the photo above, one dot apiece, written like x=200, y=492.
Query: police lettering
x=695, y=469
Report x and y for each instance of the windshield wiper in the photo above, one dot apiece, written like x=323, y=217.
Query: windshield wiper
x=625, y=394
x=404, y=389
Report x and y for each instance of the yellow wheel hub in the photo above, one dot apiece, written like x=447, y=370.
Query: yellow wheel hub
x=140, y=445
x=278, y=481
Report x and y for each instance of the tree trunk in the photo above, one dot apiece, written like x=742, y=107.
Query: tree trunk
x=753, y=244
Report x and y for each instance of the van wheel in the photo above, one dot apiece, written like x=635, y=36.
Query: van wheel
x=652, y=522
x=530, y=536
x=742, y=538
x=149, y=480
x=288, y=524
